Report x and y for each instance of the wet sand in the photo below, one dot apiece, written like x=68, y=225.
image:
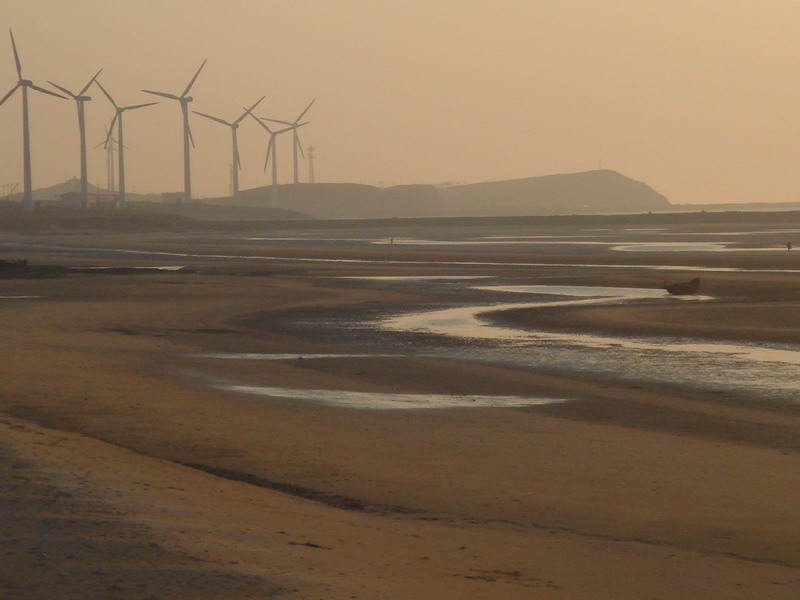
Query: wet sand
x=129, y=473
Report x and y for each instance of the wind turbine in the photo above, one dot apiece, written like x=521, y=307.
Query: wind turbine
x=297, y=146
x=27, y=194
x=237, y=164
x=109, y=144
x=187, y=133
x=120, y=145
x=80, y=98
x=271, y=150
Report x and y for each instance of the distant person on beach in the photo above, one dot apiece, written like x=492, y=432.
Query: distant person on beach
x=788, y=246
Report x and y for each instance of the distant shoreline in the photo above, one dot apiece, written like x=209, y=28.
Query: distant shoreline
x=137, y=219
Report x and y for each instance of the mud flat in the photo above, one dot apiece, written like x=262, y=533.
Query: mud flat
x=132, y=468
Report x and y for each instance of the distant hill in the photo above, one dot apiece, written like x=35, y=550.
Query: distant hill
x=205, y=212
x=592, y=192
x=74, y=185
x=576, y=193
x=347, y=200
x=602, y=191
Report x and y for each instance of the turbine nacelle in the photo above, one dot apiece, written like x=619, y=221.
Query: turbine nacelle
x=27, y=197
x=184, y=98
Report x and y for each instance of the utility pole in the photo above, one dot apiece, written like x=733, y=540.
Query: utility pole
x=311, y=164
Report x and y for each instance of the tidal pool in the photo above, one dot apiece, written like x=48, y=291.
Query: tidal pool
x=416, y=277
x=382, y=262
x=690, y=247
x=770, y=370
x=388, y=401
x=259, y=356
x=585, y=291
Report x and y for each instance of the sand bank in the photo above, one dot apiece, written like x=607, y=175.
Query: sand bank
x=628, y=491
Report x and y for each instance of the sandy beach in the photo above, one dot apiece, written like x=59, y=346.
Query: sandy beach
x=133, y=468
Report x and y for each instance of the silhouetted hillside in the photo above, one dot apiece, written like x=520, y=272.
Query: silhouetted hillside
x=578, y=193
x=74, y=185
x=204, y=211
x=575, y=193
x=592, y=192
x=347, y=200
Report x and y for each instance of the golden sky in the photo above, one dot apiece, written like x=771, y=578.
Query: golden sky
x=700, y=99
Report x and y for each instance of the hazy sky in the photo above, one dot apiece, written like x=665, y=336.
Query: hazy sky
x=700, y=99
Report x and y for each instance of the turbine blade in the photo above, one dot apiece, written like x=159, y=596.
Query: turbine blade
x=8, y=95
x=103, y=143
x=238, y=159
x=138, y=106
x=111, y=128
x=257, y=120
x=244, y=114
x=63, y=89
x=277, y=121
x=217, y=119
x=189, y=131
x=164, y=94
x=299, y=145
x=44, y=91
x=302, y=114
x=110, y=99
x=191, y=83
x=86, y=87
x=16, y=55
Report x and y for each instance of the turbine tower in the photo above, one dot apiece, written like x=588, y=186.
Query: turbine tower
x=110, y=145
x=271, y=150
x=27, y=193
x=80, y=99
x=237, y=164
x=311, y=156
x=187, y=132
x=294, y=125
x=120, y=140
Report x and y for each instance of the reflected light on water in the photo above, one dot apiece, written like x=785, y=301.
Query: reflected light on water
x=771, y=369
x=259, y=356
x=389, y=401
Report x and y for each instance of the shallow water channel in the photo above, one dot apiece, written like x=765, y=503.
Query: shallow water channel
x=766, y=370
x=470, y=333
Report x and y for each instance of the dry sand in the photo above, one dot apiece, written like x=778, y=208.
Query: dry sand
x=127, y=476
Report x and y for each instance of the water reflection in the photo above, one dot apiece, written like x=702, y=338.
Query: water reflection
x=383, y=262
x=691, y=247
x=389, y=401
x=415, y=277
x=264, y=356
x=768, y=369
x=586, y=291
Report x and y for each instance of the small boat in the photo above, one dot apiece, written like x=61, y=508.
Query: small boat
x=683, y=288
